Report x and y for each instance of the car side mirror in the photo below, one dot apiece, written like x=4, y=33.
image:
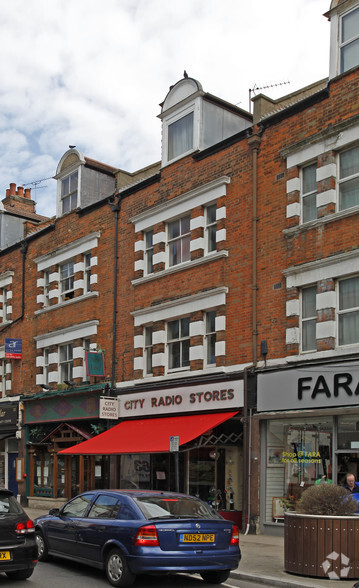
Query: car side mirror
x=54, y=511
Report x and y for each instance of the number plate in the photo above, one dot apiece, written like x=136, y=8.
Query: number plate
x=5, y=555
x=197, y=538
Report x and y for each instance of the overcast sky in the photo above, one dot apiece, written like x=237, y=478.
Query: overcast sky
x=92, y=73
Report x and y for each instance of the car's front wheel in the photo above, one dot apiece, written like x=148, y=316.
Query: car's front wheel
x=117, y=570
x=20, y=574
x=42, y=553
x=215, y=577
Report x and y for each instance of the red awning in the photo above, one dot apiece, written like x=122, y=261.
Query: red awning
x=148, y=435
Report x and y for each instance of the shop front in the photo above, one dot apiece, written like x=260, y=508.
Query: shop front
x=55, y=421
x=9, y=417
x=186, y=438
x=309, y=419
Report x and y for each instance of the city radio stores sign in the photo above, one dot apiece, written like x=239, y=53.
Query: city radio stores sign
x=108, y=407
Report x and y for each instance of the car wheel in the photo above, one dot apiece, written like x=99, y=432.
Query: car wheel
x=117, y=570
x=42, y=553
x=20, y=574
x=215, y=577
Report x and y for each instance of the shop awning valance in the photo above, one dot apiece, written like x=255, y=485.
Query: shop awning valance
x=148, y=435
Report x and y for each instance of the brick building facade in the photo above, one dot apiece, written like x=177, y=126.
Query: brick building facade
x=230, y=263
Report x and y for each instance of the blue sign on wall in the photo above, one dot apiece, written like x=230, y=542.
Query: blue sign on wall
x=13, y=348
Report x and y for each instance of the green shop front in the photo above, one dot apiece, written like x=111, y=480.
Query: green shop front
x=54, y=421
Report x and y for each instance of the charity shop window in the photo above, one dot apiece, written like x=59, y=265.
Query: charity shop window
x=348, y=311
x=309, y=193
x=349, y=178
x=178, y=343
x=309, y=318
x=69, y=189
x=180, y=136
x=179, y=238
x=349, y=47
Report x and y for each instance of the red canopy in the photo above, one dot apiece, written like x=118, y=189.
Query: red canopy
x=148, y=435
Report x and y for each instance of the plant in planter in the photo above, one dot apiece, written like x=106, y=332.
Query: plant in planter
x=320, y=536
x=327, y=499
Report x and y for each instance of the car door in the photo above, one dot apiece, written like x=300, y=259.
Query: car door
x=98, y=527
x=62, y=529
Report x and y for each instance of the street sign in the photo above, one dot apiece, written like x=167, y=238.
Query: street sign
x=174, y=443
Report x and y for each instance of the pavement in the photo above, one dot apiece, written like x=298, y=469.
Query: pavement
x=262, y=562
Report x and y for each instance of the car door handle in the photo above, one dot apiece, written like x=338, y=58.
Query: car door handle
x=102, y=528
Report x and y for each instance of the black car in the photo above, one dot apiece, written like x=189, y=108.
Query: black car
x=18, y=549
x=132, y=532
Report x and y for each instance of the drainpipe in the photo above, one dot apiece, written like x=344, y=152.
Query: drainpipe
x=116, y=209
x=254, y=142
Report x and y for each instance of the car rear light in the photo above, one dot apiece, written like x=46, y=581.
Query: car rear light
x=147, y=536
x=235, y=536
x=23, y=528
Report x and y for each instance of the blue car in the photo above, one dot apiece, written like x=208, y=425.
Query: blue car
x=134, y=532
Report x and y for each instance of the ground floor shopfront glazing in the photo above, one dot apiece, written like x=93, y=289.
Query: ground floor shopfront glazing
x=312, y=439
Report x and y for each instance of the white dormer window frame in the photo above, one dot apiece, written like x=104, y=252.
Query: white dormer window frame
x=350, y=40
x=189, y=109
x=69, y=190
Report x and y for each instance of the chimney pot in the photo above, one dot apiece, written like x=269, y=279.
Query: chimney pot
x=20, y=191
x=28, y=193
x=13, y=189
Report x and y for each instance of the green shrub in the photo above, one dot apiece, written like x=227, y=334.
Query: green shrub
x=327, y=499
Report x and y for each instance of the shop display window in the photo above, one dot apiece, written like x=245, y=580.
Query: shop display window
x=298, y=455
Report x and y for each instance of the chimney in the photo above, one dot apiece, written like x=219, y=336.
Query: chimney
x=19, y=199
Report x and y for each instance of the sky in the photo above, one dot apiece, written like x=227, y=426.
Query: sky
x=92, y=73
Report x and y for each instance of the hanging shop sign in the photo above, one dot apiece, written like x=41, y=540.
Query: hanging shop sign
x=204, y=397
x=95, y=364
x=320, y=386
x=108, y=407
x=13, y=348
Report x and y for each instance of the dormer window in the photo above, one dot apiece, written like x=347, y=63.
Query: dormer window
x=69, y=188
x=349, y=56
x=180, y=136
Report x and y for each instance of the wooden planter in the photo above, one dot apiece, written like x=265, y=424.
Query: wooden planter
x=321, y=546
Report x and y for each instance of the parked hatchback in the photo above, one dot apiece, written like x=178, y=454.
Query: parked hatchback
x=134, y=532
x=18, y=550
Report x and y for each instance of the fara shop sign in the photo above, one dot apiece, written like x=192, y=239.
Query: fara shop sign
x=317, y=387
x=206, y=397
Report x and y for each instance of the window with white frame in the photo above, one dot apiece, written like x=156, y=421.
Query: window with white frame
x=180, y=136
x=211, y=227
x=69, y=188
x=349, y=178
x=5, y=303
x=309, y=193
x=67, y=279
x=46, y=368
x=66, y=362
x=148, y=350
x=179, y=239
x=87, y=272
x=348, y=326
x=149, y=252
x=3, y=377
x=47, y=288
x=210, y=339
x=309, y=318
x=349, y=46
x=178, y=343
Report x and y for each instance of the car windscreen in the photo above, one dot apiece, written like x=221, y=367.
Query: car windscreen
x=9, y=505
x=157, y=506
